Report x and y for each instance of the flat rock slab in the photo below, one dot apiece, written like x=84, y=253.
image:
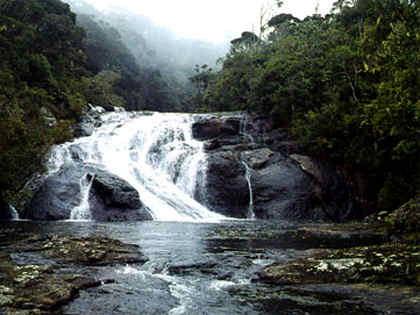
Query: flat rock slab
x=396, y=263
x=355, y=299
x=368, y=274
x=41, y=273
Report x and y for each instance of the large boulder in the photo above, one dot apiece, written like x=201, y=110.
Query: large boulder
x=281, y=190
x=227, y=188
x=56, y=196
x=113, y=199
x=110, y=199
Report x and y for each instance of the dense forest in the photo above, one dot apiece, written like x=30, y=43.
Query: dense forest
x=346, y=85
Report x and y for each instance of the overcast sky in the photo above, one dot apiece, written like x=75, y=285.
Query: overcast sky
x=212, y=20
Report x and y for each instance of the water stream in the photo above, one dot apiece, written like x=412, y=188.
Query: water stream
x=14, y=213
x=251, y=214
x=82, y=211
x=251, y=140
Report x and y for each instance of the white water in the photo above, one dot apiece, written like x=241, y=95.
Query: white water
x=251, y=140
x=154, y=152
x=82, y=211
x=15, y=214
x=251, y=214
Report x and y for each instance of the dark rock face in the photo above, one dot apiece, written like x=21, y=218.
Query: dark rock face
x=216, y=127
x=113, y=199
x=285, y=183
x=5, y=213
x=227, y=189
x=282, y=191
x=56, y=197
x=110, y=199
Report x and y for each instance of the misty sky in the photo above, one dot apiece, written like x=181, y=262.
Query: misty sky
x=212, y=20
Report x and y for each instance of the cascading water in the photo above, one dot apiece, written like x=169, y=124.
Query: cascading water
x=251, y=214
x=243, y=128
x=154, y=152
x=82, y=211
x=14, y=213
x=251, y=140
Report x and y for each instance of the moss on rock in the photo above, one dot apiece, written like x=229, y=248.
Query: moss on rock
x=43, y=288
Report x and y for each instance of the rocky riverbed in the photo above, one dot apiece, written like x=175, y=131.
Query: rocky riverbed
x=41, y=273
x=251, y=267
x=382, y=277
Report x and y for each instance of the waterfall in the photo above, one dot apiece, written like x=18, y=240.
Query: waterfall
x=14, y=213
x=82, y=211
x=251, y=214
x=251, y=140
x=154, y=152
x=243, y=128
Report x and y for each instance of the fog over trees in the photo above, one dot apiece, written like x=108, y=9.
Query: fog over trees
x=144, y=52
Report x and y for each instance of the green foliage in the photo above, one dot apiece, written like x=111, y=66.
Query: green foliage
x=41, y=61
x=347, y=85
x=100, y=89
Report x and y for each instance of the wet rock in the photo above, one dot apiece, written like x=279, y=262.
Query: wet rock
x=110, y=199
x=206, y=129
x=33, y=287
x=207, y=267
x=308, y=166
x=91, y=251
x=44, y=288
x=387, y=263
x=226, y=188
x=331, y=299
x=113, y=199
x=338, y=236
x=364, y=275
x=57, y=196
x=283, y=191
x=88, y=122
x=23, y=198
x=257, y=159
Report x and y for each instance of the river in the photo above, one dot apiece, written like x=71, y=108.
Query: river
x=194, y=268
